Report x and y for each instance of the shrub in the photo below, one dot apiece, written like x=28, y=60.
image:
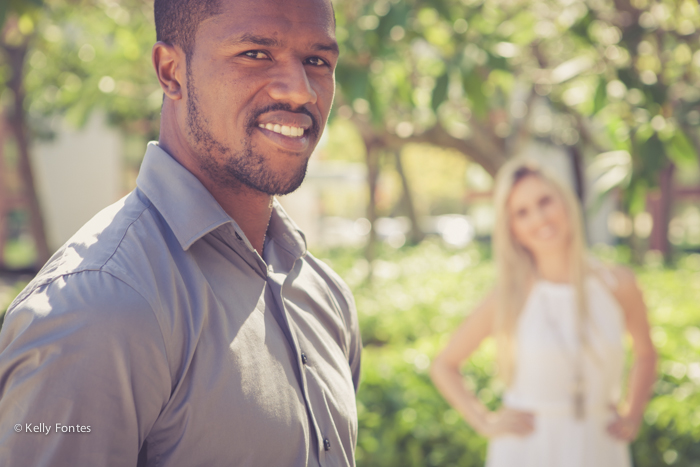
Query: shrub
x=418, y=297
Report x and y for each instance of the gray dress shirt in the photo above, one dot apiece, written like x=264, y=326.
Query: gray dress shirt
x=157, y=336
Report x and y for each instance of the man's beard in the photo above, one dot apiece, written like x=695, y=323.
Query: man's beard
x=248, y=167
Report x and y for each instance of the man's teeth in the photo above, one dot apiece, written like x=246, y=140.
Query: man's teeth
x=285, y=130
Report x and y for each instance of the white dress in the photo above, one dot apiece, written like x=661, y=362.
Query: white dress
x=543, y=382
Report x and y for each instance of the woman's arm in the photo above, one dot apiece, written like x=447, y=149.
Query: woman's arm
x=449, y=381
x=643, y=373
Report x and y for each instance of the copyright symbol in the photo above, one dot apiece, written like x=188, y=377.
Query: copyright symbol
x=18, y=427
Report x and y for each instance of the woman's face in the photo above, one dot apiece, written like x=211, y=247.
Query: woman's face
x=538, y=216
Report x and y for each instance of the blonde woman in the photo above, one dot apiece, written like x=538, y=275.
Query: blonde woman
x=559, y=319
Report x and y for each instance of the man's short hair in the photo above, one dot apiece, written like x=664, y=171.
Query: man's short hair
x=177, y=20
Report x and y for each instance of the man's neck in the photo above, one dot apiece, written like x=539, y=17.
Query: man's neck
x=250, y=208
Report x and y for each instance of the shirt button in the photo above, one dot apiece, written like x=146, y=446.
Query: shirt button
x=237, y=235
x=269, y=268
x=304, y=359
x=327, y=444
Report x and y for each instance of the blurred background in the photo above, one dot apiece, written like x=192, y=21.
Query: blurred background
x=433, y=97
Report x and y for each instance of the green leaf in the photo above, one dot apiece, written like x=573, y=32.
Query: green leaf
x=643, y=134
x=440, y=91
x=600, y=99
x=637, y=197
x=442, y=9
x=473, y=87
x=353, y=81
x=651, y=159
x=3, y=13
x=680, y=150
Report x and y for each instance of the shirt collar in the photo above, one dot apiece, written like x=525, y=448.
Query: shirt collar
x=283, y=230
x=192, y=212
x=185, y=204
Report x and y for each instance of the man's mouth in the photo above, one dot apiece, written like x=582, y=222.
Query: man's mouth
x=285, y=130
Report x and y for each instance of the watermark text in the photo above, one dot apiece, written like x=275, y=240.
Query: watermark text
x=48, y=428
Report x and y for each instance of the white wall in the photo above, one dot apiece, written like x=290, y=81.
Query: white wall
x=77, y=174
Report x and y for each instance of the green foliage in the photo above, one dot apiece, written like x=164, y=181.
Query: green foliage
x=673, y=417
x=17, y=6
x=474, y=69
x=94, y=57
x=477, y=69
x=19, y=253
x=420, y=295
x=7, y=297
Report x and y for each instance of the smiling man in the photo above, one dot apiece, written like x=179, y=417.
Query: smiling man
x=187, y=324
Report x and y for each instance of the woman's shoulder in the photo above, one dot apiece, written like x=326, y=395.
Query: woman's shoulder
x=624, y=275
x=616, y=277
x=620, y=281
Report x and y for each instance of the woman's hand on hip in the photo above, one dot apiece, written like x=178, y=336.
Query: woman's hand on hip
x=624, y=427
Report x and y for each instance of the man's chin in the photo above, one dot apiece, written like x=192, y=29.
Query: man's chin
x=292, y=186
x=269, y=183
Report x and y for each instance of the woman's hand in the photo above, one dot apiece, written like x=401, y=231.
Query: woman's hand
x=624, y=427
x=508, y=421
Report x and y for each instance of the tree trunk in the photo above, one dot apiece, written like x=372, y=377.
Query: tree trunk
x=16, y=56
x=579, y=179
x=415, y=235
x=660, y=204
x=4, y=201
x=372, y=178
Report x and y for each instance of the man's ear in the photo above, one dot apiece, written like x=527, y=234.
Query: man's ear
x=169, y=62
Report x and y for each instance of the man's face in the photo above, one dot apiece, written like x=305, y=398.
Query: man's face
x=260, y=84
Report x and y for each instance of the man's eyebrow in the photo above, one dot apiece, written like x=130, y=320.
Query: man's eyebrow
x=264, y=41
x=328, y=47
x=254, y=39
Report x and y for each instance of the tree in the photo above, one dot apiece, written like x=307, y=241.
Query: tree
x=68, y=58
x=94, y=55
x=16, y=29
x=483, y=76
x=479, y=76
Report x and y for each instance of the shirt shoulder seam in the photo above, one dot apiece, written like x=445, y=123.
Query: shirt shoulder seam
x=126, y=230
x=116, y=277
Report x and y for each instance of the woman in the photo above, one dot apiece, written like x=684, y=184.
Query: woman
x=558, y=318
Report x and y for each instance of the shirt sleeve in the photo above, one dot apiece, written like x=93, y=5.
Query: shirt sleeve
x=83, y=374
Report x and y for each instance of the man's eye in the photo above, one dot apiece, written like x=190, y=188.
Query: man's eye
x=316, y=61
x=256, y=54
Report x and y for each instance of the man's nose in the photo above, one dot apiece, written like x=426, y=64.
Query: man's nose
x=291, y=84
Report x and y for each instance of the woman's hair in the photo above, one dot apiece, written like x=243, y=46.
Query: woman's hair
x=516, y=265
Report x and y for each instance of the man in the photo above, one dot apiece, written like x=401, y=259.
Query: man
x=187, y=324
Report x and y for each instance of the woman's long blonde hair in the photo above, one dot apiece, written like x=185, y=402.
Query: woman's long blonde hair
x=516, y=266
